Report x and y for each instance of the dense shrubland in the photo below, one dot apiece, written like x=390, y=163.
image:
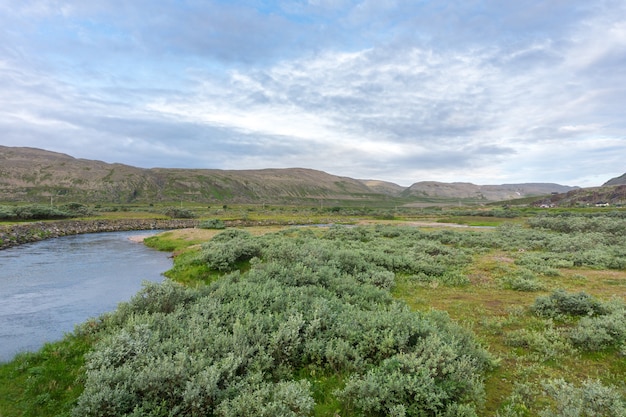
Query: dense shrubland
x=310, y=311
x=308, y=321
x=264, y=341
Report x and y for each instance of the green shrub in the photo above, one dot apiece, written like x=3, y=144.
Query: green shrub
x=295, y=305
x=212, y=224
x=179, y=213
x=411, y=384
x=591, y=399
x=7, y=213
x=228, y=249
x=600, y=332
x=33, y=212
x=77, y=209
x=560, y=303
x=549, y=343
x=523, y=280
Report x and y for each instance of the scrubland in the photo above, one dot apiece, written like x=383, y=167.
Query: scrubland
x=388, y=318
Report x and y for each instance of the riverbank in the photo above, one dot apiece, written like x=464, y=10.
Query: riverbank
x=18, y=234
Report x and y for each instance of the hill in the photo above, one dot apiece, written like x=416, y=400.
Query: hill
x=36, y=175
x=607, y=195
x=28, y=174
x=470, y=191
x=621, y=180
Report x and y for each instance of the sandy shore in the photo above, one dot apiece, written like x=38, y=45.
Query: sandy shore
x=138, y=238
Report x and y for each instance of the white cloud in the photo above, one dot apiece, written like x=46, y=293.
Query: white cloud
x=402, y=91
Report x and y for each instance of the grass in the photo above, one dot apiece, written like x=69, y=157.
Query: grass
x=494, y=313
x=45, y=383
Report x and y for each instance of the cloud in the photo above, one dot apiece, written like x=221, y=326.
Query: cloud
x=395, y=90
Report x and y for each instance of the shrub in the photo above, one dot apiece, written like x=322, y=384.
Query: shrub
x=7, y=213
x=549, y=343
x=77, y=209
x=523, y=280
x=411, y=384
x=226, y=250
x=212, y=224
x=560, y=303
x=179, y=213
x=301, y=304
x=33, y=212
x=600, y=332
x=591, y=399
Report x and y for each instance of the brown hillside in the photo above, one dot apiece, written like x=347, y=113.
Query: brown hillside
x=595, y=196
x=36, y=175
x=28, y=174
x=482, y=192
x=621, y=180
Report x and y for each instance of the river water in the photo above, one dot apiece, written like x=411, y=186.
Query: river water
x=48, y=287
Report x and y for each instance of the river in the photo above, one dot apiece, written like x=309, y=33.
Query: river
x=48, y=287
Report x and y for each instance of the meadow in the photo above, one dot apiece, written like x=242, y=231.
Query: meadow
x=520, y=313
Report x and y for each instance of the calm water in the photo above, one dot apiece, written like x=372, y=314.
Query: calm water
x=48, y=287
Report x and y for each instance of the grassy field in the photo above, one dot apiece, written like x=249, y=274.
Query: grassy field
x=494, y=281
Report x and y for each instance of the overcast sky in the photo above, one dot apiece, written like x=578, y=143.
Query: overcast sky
x=488, y=92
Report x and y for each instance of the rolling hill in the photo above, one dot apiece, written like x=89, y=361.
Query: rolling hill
x=621, y=180
x=462, y=190
x=36, y=175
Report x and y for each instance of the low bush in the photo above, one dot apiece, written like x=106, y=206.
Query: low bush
x=548, y=344
x=212, y=224
x=179, y=213
x=523, y=280
x=591, y=399
x=560, y=304
x=34, y=212
x=228, y=249
x=301, y=305
x=77, y=209
x=601, y=332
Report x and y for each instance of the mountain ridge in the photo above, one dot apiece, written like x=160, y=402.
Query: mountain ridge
x=32, y=174
x=621, y=180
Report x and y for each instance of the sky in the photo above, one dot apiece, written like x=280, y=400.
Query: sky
x=487, y=92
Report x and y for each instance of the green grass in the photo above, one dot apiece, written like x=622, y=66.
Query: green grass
x=165, y=243
x=494, y=313
x=322, y=387
x=45, y=383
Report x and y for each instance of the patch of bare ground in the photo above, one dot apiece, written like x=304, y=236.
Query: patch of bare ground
x=426, y=224
x=138, y=238
x=202, y=235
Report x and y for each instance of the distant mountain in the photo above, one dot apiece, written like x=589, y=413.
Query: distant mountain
x=36, y=175
x=606, y=195
x=29, y=174
x=621, y=180
x=384, y=187
x=481, y=192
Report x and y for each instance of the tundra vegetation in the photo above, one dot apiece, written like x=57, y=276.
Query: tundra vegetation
x=526, y=318
x=43, y=212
